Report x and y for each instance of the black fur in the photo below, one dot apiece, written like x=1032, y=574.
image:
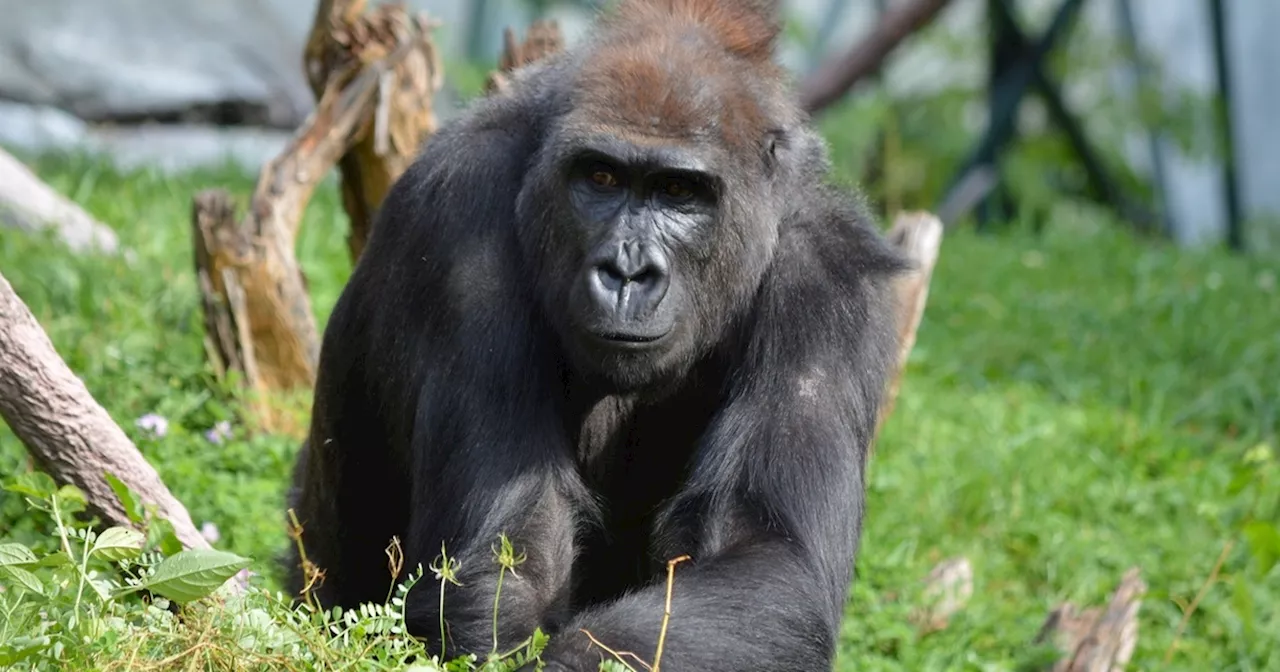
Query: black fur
x=451, y=405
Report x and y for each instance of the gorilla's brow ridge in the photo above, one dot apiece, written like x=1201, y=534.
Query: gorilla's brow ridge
x=640, y=152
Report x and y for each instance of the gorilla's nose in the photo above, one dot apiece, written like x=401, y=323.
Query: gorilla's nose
x=632, y=281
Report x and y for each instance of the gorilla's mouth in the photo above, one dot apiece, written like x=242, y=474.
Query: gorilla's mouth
x=630, y=338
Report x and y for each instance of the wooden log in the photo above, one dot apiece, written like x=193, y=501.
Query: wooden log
x=258, y=317
x=1097, y=640
x=29, y=204
x=70, y=436
x=918, y=235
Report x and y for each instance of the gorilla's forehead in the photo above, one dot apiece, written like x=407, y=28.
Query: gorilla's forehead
x=673, y=90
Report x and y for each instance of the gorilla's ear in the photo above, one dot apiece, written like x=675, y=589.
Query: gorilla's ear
x=775, y=143
x=746, y=28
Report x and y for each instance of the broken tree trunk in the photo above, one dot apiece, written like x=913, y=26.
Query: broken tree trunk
x=71, y=436
x=375, y=76
x=835, y=77
x=918, y=236
x=345, y=40
x=1097, y=640
x=29, y=204
x=543, y=39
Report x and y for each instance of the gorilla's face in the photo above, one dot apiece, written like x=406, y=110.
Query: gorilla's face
x=639, y=264
x=643, y=221
x=654, y=206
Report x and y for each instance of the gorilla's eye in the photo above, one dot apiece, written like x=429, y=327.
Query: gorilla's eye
x=677, y=189
x=603, y=177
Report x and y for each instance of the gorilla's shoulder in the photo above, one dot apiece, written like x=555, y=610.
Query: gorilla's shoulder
x=833, y=235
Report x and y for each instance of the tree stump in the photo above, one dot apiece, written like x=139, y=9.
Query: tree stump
x=257, y=312
x=543, y=39
x=345, y=40
x=1097, y=640
x=918, y=236
x=375, y=76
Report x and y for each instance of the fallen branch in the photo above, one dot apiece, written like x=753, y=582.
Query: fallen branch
x=834, y=78
x=29, y=204
x=918, y=235
x=1097, y=640
x=70, y=436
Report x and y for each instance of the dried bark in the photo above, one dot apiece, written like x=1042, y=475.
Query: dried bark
x=375, y=76
x=834, y=78
x=543, y=39
x=344, y=40
x=918, y=235
x=1097, y=640
x=29, y=204
x=71, y=436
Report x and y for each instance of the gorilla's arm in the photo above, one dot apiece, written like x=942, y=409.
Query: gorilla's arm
x=433, y=417
x=773, y=511
x=494, y=460
x=489, y=453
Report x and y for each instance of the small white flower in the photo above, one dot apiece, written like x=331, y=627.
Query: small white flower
x=153, y=423
x=221, y=432
x=210, y=532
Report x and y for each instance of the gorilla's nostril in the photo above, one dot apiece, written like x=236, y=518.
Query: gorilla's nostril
x=646, y=276
x=610, y=277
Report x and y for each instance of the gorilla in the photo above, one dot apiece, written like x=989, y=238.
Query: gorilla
x=617, y=314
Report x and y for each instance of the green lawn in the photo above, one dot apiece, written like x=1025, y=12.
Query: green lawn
x=1078, y=403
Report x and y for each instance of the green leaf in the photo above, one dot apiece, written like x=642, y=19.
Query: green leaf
x=16, y=554
x=35, y=484
x=55, y=559
x=22, y=577
x=72, y=499
x=160, y=535
x=18, y=648
x=118, y=543
x=1264, y=542
x=192, y=574
x=128, y=499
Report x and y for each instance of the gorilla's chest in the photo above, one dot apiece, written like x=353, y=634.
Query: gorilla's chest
x=634, y=458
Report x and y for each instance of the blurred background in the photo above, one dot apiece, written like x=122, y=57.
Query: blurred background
x=1176, y=97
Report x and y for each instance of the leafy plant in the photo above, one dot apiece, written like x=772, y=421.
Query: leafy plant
x=75, y=603
x=76, y=594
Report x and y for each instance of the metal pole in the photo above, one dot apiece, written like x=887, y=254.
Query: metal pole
x=1235, y=234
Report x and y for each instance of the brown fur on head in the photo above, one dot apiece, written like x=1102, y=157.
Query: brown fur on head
x=745, y=28
x=684, y=70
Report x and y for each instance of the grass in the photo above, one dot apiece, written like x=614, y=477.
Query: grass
x=1078, y=402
